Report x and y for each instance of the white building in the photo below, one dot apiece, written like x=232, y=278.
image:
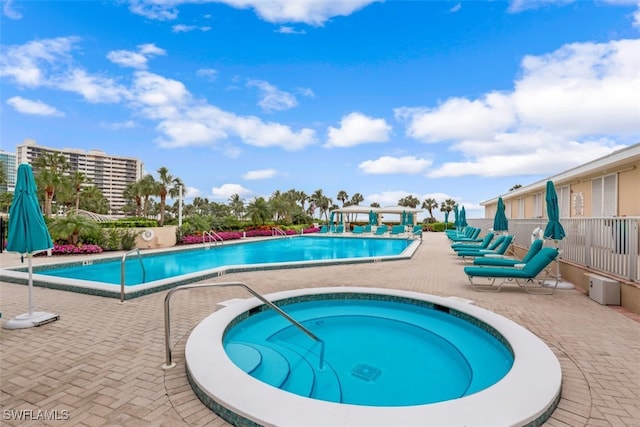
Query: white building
x=111, y=174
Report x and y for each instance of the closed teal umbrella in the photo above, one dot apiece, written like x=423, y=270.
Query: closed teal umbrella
x=500, y=222
x=463, y=218
x=555, y=232
x=446, y=218
x=554, y=229
x=27, y=234
x=456, y=213
x=373, y=218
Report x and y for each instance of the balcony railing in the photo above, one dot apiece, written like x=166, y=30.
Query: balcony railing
x=609, y=245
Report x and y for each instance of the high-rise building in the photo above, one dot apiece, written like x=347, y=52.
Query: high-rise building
x=9, y=168
x=111, y=174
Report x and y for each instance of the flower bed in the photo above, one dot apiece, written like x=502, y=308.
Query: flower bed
x=73, y=250
x=233, y=235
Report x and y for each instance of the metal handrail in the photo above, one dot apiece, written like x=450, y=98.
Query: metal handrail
x=167, y=320
x=213, y=235
x=124, y=259
x=276, y=231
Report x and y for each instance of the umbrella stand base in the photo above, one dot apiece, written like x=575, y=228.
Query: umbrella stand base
x=561, y=284
x=37, y=318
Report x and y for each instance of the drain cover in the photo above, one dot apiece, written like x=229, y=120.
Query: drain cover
x=366, y=372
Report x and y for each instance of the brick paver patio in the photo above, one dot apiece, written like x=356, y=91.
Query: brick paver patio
x=100, y=364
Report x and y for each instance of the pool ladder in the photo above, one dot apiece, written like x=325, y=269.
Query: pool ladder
x=213, y=236
x=167, y=319
x=275, y=231
x=122, y=264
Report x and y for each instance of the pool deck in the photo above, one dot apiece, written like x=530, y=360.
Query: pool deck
x=100, y=364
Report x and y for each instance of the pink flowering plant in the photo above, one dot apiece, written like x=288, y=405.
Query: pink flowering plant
x=73, y=250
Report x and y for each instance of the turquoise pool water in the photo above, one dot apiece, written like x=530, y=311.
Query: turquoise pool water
x=172, y=264
x=377, y=352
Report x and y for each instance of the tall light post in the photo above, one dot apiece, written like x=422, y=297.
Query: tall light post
x=180, y=206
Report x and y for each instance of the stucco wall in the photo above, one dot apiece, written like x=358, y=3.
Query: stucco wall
x=157, y=237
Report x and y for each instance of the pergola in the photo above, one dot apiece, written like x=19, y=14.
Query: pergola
x=394, y=210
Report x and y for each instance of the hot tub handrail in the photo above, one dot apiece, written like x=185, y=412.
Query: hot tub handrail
x=167, y=320
x=122, y=263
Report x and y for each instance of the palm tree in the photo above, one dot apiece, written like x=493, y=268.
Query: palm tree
x=316, y=199
x=148, y=188
x=69, y=227
x=302, y=197
x=356, y=199
x=430, y=204
x=166, y=184
x=447, y=206
x=49, y=169
x=134, y=192
x=236, y=205
x=342, y=196
x=78, y=178
x=410, y=201
x=92, y=200
x=258, y=210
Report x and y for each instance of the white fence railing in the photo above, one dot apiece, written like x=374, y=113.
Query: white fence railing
x=610, y=245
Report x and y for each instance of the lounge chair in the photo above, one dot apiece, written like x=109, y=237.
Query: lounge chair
x=523, y=275
x=500, y=261
x=484, y=244
x=397, y=230
x=339, y=229
x=382, y=229
x=471, y=237
x=324, y=229
x=493, y=244
x=357, y=229
x=500, y=249
x=417, y=231
x=367, y=228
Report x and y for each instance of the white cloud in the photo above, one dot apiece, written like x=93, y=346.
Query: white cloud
x=137, y=60
x=456, y=8
x=207, y=73
x=272, y=98
x=386, y=198
x=95, y=89
x=312, y=12
x=181, y=28
x=9, y=10
x=355, y=129
x=129, y=124
x=36, y=108
x=227, y=190
x=582, y=89
x=553, y=119
x=260, y=174
x=289, y=30
x=30, y=64
x=394, y=165
x=155, y=9
x=459, y=118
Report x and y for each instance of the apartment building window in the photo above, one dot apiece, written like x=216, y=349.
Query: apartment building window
x=564, y=201
x=537, y=205
x=521, y=208
x=604, y=196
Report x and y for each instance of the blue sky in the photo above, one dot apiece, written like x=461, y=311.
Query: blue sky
x=441, y=99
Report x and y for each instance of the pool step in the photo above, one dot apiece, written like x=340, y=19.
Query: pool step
x=273, y=368
x=288, y=367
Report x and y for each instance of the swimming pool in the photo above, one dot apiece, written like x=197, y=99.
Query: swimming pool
x=526, y=395
x=164, y=269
